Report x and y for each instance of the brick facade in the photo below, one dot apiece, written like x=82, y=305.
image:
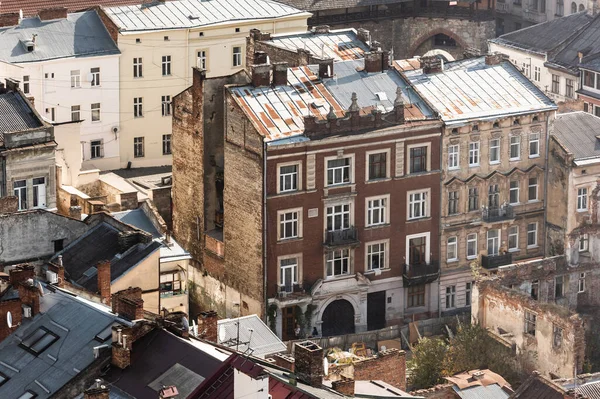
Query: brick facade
x=128, y=303
x=389, y=366
x=309, y=363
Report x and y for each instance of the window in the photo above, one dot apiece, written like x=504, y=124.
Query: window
x=166, y=38
x=59, y=245
x=166, y=105
x=536, y=73
x=75, y=79
x=468, y=289
x=474, y=153
x=3, y=379
x=557, y=332
x=137, y=67
x=201, y=59
x=377, y=211
x=581, y=283
x=495, y=151
x=338, y=262
x=453, y=156
x=237, y=56
x=450, y=296
x=416, y=296
x=514, y=192
x=29, y=394
x=555, y=84
x=138, y=108
x=338, y=171
x=530, y=319
x=526, y=69
x=534, y=145
x=26, y=88
x=166, y=65
x=515, y=148
x=75, y=113
x=376, y=258
x=472, y=246
x=378, y=166
x=493, y=242
x=166, y=144
x=38, y=341
x=417, y=250
x=96, y=149
x=338, y=217
x=582, y=199
x=535, y=289
x=288, y=273
x=496, y=125
x=473, y=199
x=583, y=243
x=95, y=78
x=513, y=238
x=39, y=192
x=138, y=40
x=532, y=234
x=138, y=147
x=170, y=284
x=493, y=196
x=52, y=112
x=452, y=202
x=289, y=224
x=559, y=286
x=20, y=191
x=288, y=178
x=418, y=159
x=533, y=189
x=589, y=79
x=95, y=112
x=569, y=88
x=49, y=82
x=597, y=110
x=452, y=249
x=475, y=128
x=417, y=205
x=560, y=8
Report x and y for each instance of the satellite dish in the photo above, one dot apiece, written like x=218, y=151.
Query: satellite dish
x=40, y=288
x=325, y=366
x=222, y=335
x=9, y=319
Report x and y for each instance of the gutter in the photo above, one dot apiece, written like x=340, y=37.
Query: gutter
x=546, y=185
x=264, y=232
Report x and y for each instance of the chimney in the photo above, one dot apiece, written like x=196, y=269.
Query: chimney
x=385, y=60
x=9, y=19
x=207, y=325
x=431, y=64
x=75, y=212
x=280, y=73
x=345, y=386
x=168, y=392
x=128, y=239
x=52, y=13
x=12, y=84
x=121, y=355
x=495, y=58
x=321, y=29
x=374, y=61
x=260, y=57
x=21, y=273
x=30, y=296
x=104, y=280
x=284, y=361
x=399, y=106
x=128, y=303
x=261, y=75
x=59, y=270
x=363, y=35
x=97, y=391
x=326, y=68
x=309, y=363
x=303, y=57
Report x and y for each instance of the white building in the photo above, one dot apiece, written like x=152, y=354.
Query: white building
x=513, y=15
x=69, y=65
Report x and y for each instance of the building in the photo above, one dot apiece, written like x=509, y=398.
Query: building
x=27, y=152
x=574, y=169
x=539, y=386
x=493, y=149
x=32, y=7
x=469, y=384
x=70, y=67
x=160, y=42
x=513, y=15
x=590, y=74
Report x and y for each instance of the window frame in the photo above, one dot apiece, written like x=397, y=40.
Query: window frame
x=424, y=201
x=96, y=111
x=468, y=293
x=166, y=65
x=385, y=210
x=516, y=144
x=530, y=322
x=452, y=242
x=138, y=107
x=512, y=189
x=425, y=161
x=281, y=224
x=167, y=144
x=100, y=146
x=165, y=102
x=581, y=283
x=237, y=59
x=368, y=254
x=427, y=237
x=569, y=88
x=35, y=198
x=334, y=259
x=534, y=138
x=497, y=148
x=559, y=285
x=535, y=232
x=298, y=174
x=453, y=202
x=138, y=71
x=473, y=199
x=582, y=199
x=450, y=297
x=555, y=84
x=26, y=84
x=341, y=213
x=474, y=152
x=350, y=168
x=75, y=112
x=75, y=79
x=202, y=59
x=513, y=234
x=453, y=156
x=21, y=193
x=368, y=155
x=29, y=347
x=139, y=150
x=95, y=81
x=583, y=239
x=298, y=271
x=529, y=187
x=470, y=241
x=418, y=292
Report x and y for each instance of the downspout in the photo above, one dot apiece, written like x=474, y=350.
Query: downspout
x=440, y=222
x=4, y=185
x=546, y=185
x=264, y=232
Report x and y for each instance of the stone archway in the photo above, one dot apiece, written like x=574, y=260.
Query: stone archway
x=424, y=43
x=338, y=318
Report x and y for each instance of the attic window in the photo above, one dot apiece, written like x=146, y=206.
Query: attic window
x=3, y=379
x=516, y=122
x=166, y=38
x=455, y=131
x=475, y=128
x=138, y=40
x=201, y=34
x=536, y=119
x=92, y=271
x=29, y=394
x=237, y=30
x=496, y=125
x=39, y=341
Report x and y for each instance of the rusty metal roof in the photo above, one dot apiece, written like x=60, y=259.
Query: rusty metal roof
x=409, y=64
x=470, y=90
x=340, y=45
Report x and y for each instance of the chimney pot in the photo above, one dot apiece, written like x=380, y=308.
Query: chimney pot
x=207, y=325
x=97, y=391
x=280, y=70
x=374, y=61
x=309, y=363
x=321, y=29
x=431, y=64
x=103, y=276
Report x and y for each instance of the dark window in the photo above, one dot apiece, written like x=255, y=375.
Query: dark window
x=416, y=296
x=569, y=88
x=377, y=166
x=452, y=202
x=559, y=286
x=166, y=144
x=555, y=84
x=444, y=40
x=589, y=78
x=586, y=107
x=473, y=199
x=417, y=248
x=39, y=341
x=59, y=245
x=535, y=289
x=3, y=379
x=418, y=159
x=493, y=196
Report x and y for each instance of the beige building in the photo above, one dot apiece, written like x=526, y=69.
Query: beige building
x=160, y=42
x=493, y=167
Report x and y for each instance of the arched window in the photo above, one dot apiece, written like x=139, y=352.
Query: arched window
x=560, y=8
x=581, y=7
x=573, y=8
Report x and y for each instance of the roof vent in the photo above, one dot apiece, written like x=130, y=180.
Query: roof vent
x=29, y=45
x=381, y=96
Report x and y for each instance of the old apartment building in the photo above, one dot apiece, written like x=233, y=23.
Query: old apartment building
x=512, y=15
x=493, y=167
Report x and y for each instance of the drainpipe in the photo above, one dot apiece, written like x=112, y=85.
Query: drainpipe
x=440, y=222
x=4, y=182
x=545, y=228
x=264, y=232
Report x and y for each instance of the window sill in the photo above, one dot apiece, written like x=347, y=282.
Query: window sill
x=418, y=219
x=513, y=250
x=533, y=246
x=373, y=271
x=454, y=168
x=471, y=257
x=96, y=121
x=514, y=203
x=534, y=156
x=337, y=277
x=582, y=210
x=455, y=260
x=377, y=226
x=474, y=166
x=339, y=185
x=514, y=159
x=494, y=162
x=533, y=201
x=286, y=240
x=383, y=179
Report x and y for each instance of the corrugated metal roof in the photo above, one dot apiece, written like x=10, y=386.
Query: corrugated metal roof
x=80, y=34
x=342, y=44
x=194, y=13
x=262, y=341
x=577, y=131
x=480, y=392
x=587, y=41
x=16, y=114
x=469, y=90
x=590, y=390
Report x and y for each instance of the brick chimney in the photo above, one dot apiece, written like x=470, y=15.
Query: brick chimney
x=9, y=19
x=128, y=303
x=399, y=106
x=280, y=73
x=99, y=390
x=261, y=75
x=21, y=274
x=121, y=354
x=59, y=269
x=285, y=361
x=53, y=13
x=363, y=35
x=321, y=29
x=75, y=212
x=431, y=64
x=9, y=204
x=309, y=363
x=326, y=68
x=260, y=57
x=104, y=280
x=389, y=366
x=207, y=325
x=345, y=386
x=495, y=58
x=30, y=296
x=374, y=61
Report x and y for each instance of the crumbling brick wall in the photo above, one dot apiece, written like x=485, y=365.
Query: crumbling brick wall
x=389, y=366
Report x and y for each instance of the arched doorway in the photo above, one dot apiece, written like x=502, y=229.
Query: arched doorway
x=338, y=318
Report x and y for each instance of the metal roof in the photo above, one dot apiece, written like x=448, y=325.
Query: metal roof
x=137, y=218
x=80, y=34
x=587, y=41
x=32, y=7
x=470, y=90
x=482, y=392
x=16, y=114
x=261, y=340
x=578, y=132
x=342, y=44
x=590, y=390
x=194, y=13
x=313, y=5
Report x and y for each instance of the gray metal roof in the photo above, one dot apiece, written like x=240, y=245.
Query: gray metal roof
x=313, y=5
x=137, y=218
x=342, y=44
x=76, y=322
x=482, y=392
x=16, y=114
x=586, y=41
x=470, y=90
x=591, y=390
x=577, y=131
x=193, y=13
x=262, y=340
x=80, y=34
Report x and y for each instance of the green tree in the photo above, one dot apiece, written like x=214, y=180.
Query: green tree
x=426, y=367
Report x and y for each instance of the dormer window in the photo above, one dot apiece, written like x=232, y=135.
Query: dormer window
x=29, y=45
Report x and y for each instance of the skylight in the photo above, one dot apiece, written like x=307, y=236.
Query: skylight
x=39, y=341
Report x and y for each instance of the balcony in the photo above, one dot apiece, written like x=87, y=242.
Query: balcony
x=497, y=214
x=534, y=16
x=502, y=7
x=420, y=274
x=347, y=236
x=494, y=261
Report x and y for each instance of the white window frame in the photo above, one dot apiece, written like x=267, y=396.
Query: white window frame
x=138, y=68
x=582, y=199
x=26, y=86
x=95, y=74
x=427, y=155
x=21, y=194
x=202, y=59
x=422, y=204
x=537, y=187
x=468, y=293
x=472, y=240
x=530, y=319
x=99, y=153
x=294, y=220
x=453, y=156
x=165, y=102
x=513, y=231
x=512, y=189
x=584, y=243
x=75, y=79
x=535, y=232
x=348, y=258
x=388, y=162
x=75, y=113
x=474, y=152
x=517, y=144
x=237, y=60
x=334, y=213
x=382, y=209
x=350, y=170
x=452, y=249
x=298, y=266
x=167, y=144
x=368, y=255
x=39, y=195
x=534, y=139
x=450, y=297
x=427, y=236
x=95, y=109
x=496, y=240
x=139, y=142
x=166, y=65
x=581, y=283
x=138, y=107
x=497, y=148
x=298, y=173
x=536, y=73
